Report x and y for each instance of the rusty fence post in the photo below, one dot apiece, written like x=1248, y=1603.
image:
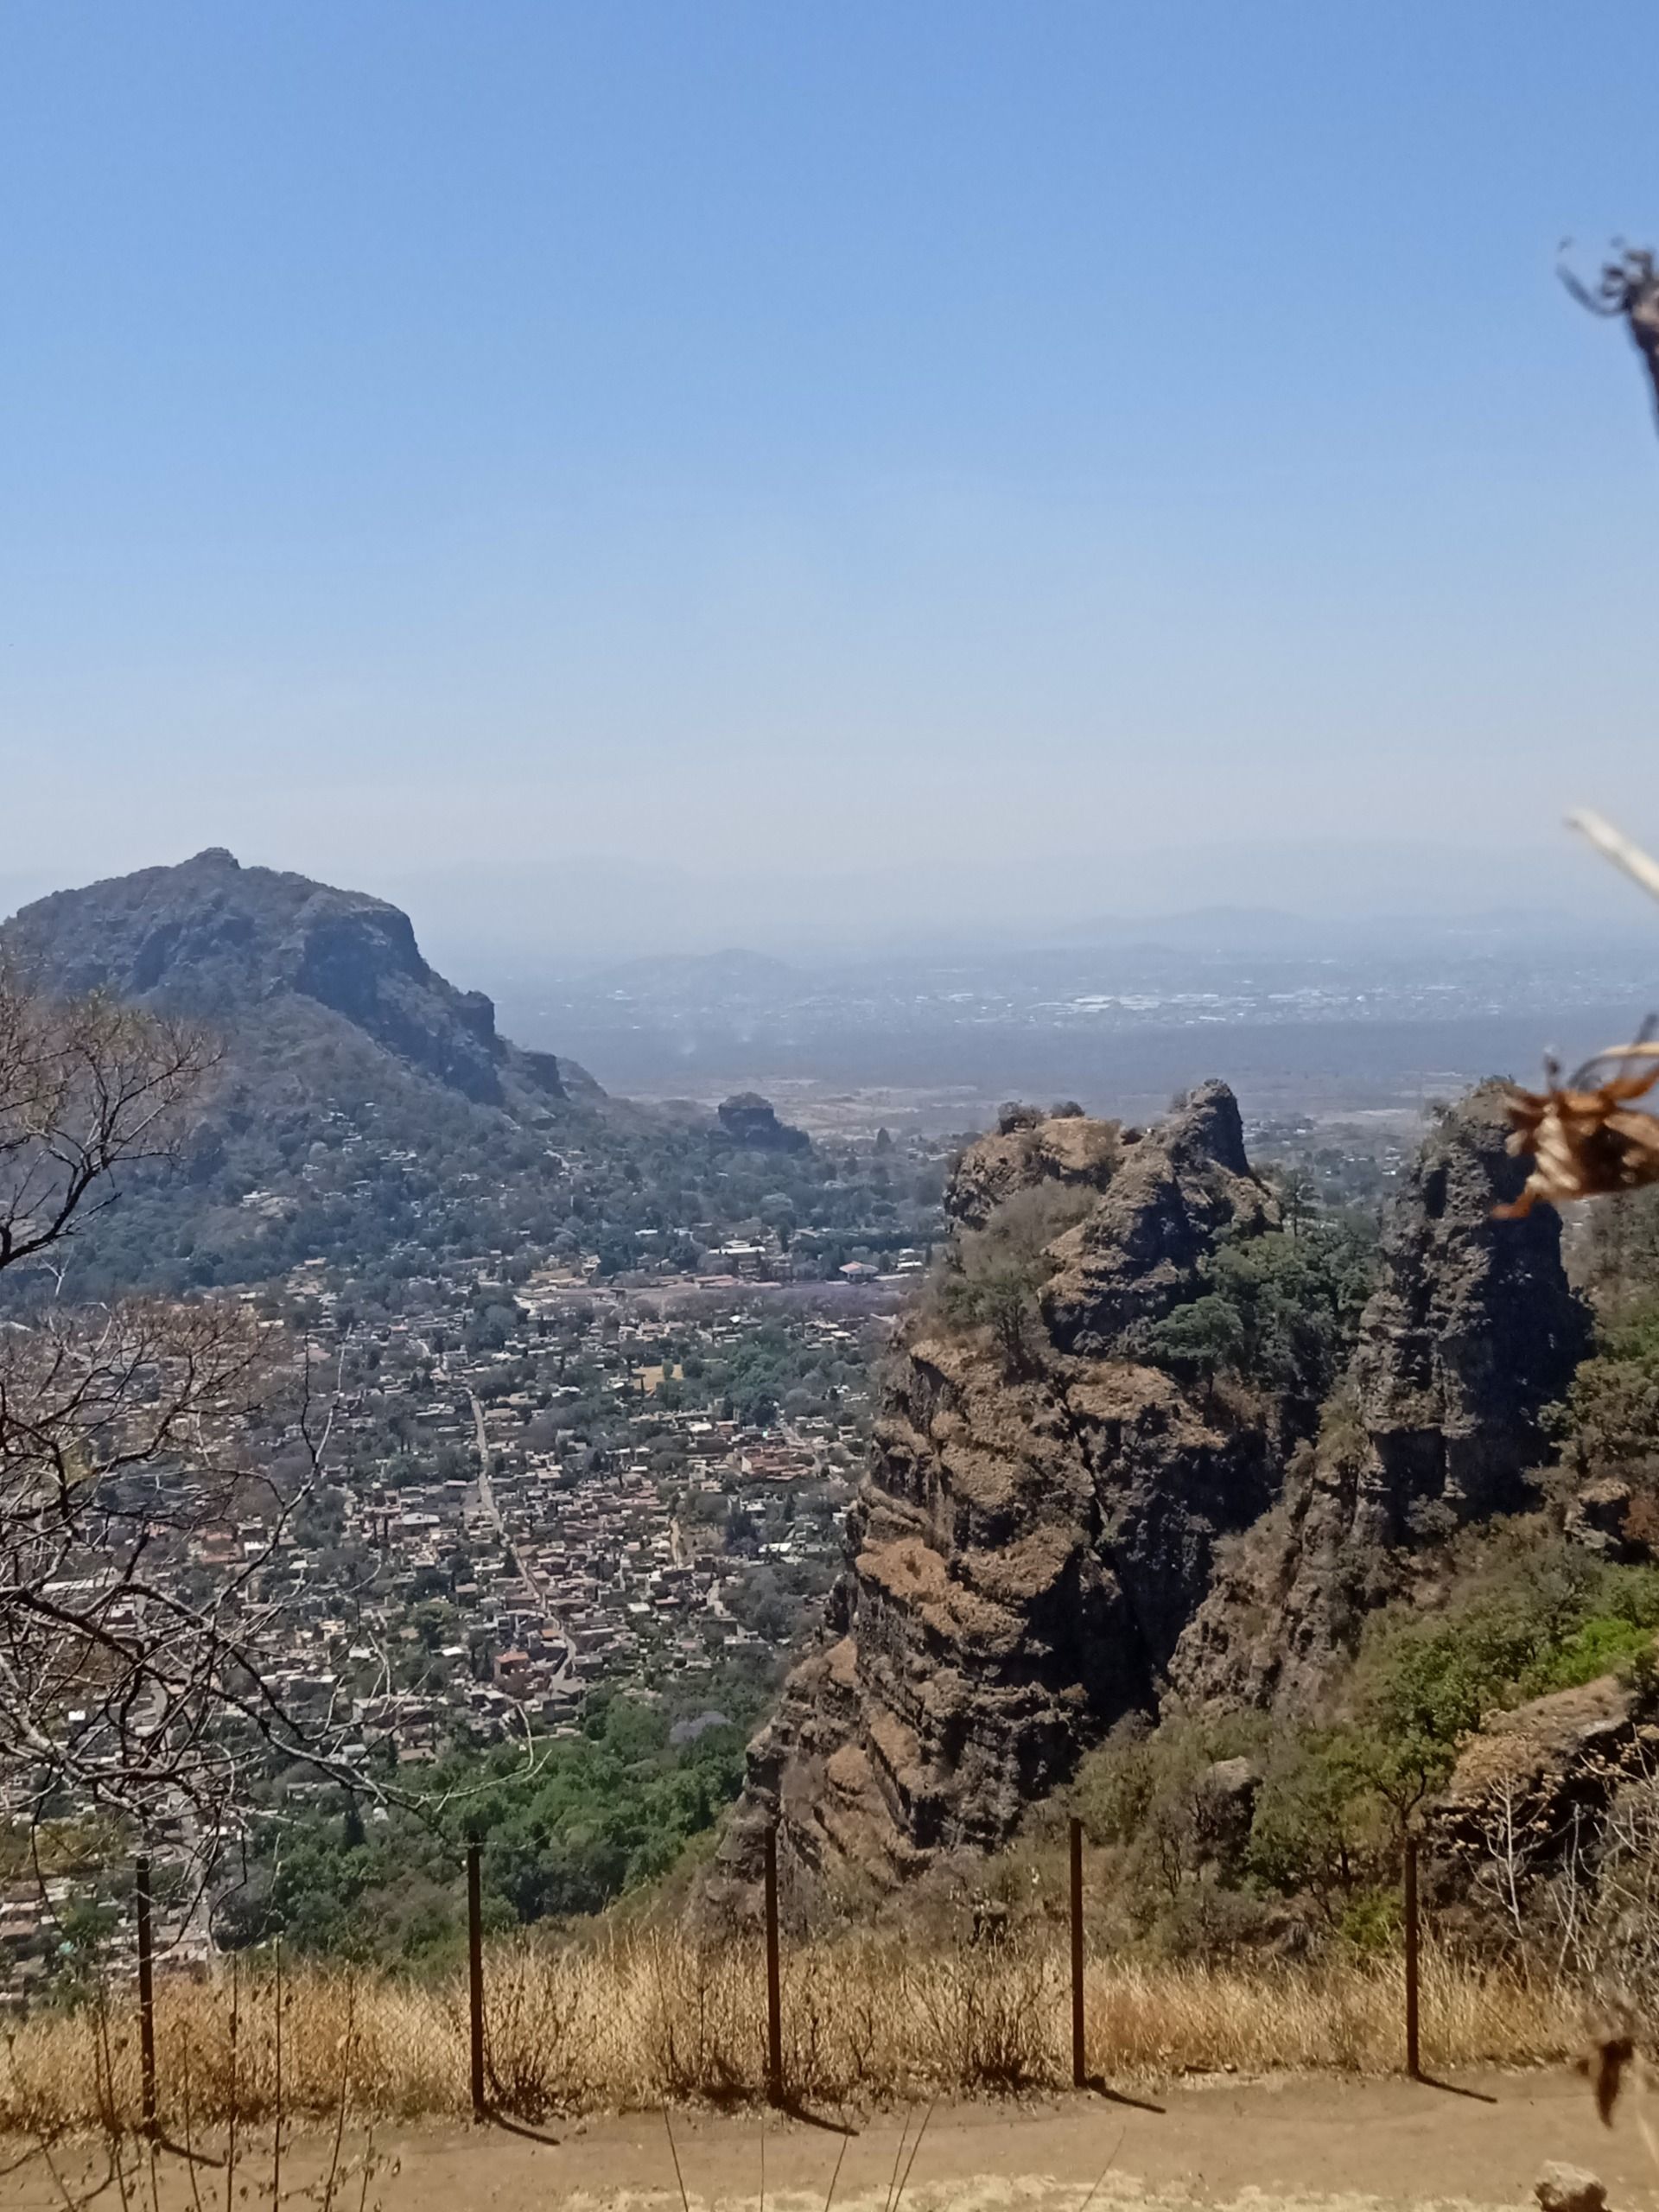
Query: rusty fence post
x=475, y=1974
x=775, y=1980
x=1079, y=2056
x=1413, y=2050
x=146, y=1997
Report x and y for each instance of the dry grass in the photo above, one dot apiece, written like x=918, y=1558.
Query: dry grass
x=649, y=2019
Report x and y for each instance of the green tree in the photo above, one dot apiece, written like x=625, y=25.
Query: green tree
x=1201, y=1339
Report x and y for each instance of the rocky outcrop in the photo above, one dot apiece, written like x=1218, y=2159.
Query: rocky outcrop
x=751, y=1121
x=1028, y=1547
x=1535, y=1781
x=1030, y=1151
x=1136, y=1254
x=1597, y=1517
x=1470, y=1333
x=1223, y=1807
x=1058, y=1533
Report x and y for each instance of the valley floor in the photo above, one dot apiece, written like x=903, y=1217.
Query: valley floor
x=1306, y=2143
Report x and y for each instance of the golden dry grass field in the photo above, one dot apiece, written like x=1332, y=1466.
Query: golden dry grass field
x=639, y=2020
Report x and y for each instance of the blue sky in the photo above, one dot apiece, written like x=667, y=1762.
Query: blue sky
x=543, y=460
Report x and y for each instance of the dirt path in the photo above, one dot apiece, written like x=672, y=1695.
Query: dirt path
x=1310, y=2145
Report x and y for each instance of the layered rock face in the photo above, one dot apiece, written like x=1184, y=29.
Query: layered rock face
x=1052, y=1537
x=1545, y=1773
x=1470, y=1333
x=1030, y=1541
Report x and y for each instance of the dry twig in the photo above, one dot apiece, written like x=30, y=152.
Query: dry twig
x=1584, y=1138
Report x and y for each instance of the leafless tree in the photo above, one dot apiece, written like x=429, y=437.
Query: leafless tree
x=141, y=1541
x=1627, y=286
x=87, y=1089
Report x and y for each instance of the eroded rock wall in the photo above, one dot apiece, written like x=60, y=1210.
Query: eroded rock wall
x=1045, y=1544
x=1028, y=1546
x=1471, y=1330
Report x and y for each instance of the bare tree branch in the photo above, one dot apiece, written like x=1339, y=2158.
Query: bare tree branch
x=1627, y=286
x=142, y=1575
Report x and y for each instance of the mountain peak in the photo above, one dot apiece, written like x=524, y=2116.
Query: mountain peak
x=234, y=946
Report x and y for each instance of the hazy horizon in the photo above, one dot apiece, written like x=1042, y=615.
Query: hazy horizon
x=931, y=1025
x=838, y=474
x=569, y=916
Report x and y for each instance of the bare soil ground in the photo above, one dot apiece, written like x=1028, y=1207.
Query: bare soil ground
x=1307, y=2143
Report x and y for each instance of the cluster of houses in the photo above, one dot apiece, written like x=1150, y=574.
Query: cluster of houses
x=469, y=1567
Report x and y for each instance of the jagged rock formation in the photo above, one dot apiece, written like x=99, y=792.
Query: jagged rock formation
x=1047, y=1541
x=1028, y=1151
x=1136, y=1255
x=1029, y=1546
x=1470, y=1333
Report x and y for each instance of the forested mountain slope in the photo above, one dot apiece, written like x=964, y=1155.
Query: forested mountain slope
x=224, y=943
x=365, y=1111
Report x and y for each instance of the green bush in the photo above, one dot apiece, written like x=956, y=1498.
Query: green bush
x=1610, y=1418
x=1332, y=1797
x=1278, y=1311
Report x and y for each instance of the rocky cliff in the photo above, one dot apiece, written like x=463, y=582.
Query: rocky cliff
x=748, y=1119
x=1034, y=1531
x=1471, y=1330
x=1061, y=1523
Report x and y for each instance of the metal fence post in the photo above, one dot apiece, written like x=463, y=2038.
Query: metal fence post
x=475, y=1974
x=146, y=1998
x=1079, y=2056
x=1414, y=2052
x=774, y=1983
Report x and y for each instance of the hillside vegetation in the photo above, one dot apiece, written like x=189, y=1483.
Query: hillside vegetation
x=1235, y=1832
x=366, y=1112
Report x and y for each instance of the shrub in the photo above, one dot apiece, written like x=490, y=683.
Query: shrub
x=993, y=1275
x=1278, y=1311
